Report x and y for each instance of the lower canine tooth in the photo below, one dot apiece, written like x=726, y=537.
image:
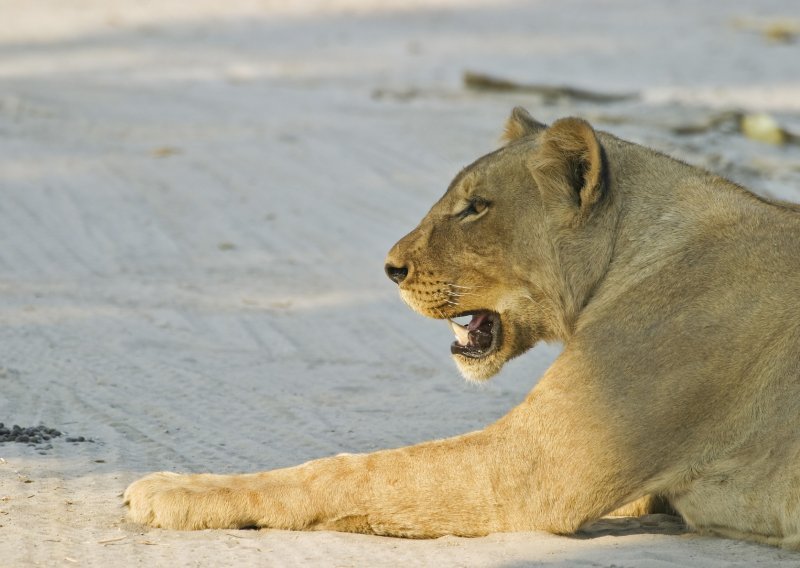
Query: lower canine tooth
x=462, y=335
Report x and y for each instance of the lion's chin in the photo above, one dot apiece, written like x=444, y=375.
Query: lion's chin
x=478, y=370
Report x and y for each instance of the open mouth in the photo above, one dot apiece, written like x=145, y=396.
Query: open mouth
x=477, y=338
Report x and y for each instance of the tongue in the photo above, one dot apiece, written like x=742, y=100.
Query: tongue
x=477, y=321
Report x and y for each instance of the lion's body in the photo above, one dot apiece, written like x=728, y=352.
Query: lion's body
x=675, y=293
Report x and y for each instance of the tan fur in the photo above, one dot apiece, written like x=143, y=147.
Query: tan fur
x=675, y=293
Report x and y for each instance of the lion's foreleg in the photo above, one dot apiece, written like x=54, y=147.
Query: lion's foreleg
x=435, y=488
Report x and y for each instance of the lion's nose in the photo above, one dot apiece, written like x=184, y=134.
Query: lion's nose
x=396, y=273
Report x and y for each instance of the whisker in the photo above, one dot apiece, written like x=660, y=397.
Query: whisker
x=465, y=287
x=438, y=310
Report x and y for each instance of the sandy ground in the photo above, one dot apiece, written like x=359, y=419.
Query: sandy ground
x=197, y=198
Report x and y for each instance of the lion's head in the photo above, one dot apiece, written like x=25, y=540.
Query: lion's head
x=517, y=244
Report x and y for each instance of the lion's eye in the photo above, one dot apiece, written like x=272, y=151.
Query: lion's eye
x=475, y=207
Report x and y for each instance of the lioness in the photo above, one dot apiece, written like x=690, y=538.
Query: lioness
x=675, y=293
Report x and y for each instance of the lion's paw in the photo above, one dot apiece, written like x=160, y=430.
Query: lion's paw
x=200, y=501
x=159, y=500
x=188, y=502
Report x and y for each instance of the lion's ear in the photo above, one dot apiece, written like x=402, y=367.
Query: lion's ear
x=568, y=164
x=521, y=124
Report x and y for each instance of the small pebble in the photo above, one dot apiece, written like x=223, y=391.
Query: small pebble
x=32, y=435
x=38, y=437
